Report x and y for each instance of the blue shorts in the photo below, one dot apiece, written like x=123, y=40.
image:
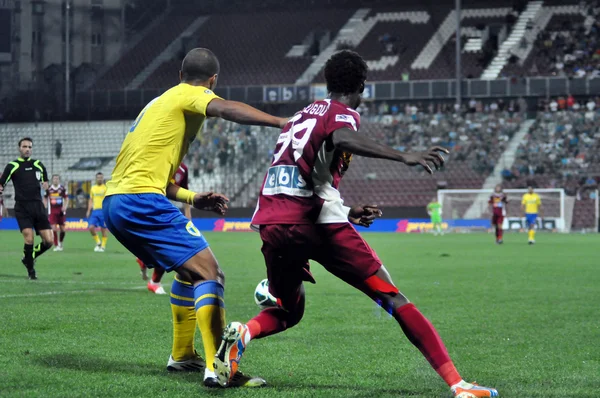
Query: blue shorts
x=97, y=219
x=153, y=229
x=530, y=219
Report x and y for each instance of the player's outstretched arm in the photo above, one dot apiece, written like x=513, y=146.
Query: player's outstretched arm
x=350, y=141
x=242, y=113
x=211, y=201
x=364, y=215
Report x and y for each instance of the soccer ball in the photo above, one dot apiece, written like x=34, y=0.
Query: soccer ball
x=262, y=297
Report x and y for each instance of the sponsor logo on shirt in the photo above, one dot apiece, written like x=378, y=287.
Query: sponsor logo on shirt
x=346, y=119
x=286, y=180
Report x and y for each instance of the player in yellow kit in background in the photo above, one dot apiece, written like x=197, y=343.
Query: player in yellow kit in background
x=94, y=213
x=531, y=206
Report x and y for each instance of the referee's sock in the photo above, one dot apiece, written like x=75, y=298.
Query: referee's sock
x=40, y=248
x=28, y=255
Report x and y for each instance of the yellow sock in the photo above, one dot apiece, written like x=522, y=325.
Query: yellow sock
x=97, y=239
x=184, y=320
x=104, y=239
x=210, y=316
x=532, y=234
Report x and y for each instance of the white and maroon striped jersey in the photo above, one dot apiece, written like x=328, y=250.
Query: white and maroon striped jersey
x=301, y=185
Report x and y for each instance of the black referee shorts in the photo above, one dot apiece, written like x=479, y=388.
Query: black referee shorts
x=32, y=215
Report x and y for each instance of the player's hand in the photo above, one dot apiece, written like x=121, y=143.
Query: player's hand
x=283, y=121
x=87, y=214
x=364, y=215
x=1, y=189
x=45, y=185
x=432, y=155
x=211, y=201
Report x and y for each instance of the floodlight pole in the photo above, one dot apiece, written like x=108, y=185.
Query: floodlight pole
x=68, y=57
x=458, y=39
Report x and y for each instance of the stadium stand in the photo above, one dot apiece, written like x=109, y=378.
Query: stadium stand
x=145, y=51
x=475, y=139
x=248, y=52
x=564, y=43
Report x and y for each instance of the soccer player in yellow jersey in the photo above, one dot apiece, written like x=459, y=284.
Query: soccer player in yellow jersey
x=531, y=206
x=94, y=212
x=138, y=212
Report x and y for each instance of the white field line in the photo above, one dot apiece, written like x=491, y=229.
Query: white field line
x=58, y=292
x=55, y=282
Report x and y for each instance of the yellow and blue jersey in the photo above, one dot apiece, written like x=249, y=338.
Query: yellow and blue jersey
x=159, y=139
x=532, y=203
x=97, y=193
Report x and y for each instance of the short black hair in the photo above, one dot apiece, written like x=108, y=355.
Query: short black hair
x=345, y=72
x=99, y=174
x=25, y=139
x=55, y=175
x=199, y=64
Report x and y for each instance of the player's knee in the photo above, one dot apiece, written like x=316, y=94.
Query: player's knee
x=295, y=308
x=392, y=301
x=220, y=276
x=47, y=243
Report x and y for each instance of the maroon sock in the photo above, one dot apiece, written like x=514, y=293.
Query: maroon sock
x=62, y=236
x=157, y=274
x=423, y=335
x=269, y=321
x=55, y=238
x=499, y=233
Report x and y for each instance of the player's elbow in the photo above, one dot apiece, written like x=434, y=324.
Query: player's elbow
x=219, y=108
x=343, y=139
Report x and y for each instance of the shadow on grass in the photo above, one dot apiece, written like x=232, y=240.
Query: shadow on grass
x=78, y=362
x=82, y=363
x=17, y=276
x=351, y=390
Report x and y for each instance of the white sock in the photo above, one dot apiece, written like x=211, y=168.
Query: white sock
x=247, y=336
x=209, y=373
x=462, y=384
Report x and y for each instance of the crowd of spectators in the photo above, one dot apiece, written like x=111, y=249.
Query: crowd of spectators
x=569, y=47
x=563, y=145
x=475, y=132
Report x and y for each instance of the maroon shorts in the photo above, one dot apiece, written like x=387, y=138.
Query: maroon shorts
x=337, y=247
x=57, y=218
x=497, y=218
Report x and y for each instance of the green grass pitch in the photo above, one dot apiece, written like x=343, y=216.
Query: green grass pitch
x=524, y=319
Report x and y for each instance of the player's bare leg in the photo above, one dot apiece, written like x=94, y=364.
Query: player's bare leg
x=154, y=284
x=202, y=271
x=143, y=269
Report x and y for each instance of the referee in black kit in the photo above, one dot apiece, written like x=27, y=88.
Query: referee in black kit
x=27, y=174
